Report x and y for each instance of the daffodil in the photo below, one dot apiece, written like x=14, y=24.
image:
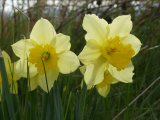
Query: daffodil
x=44, y=52
x=11, y=74
x=108, y=50
x=103, y=88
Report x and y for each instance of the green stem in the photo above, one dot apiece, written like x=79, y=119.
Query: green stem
x=68, y=105
x=47, y=88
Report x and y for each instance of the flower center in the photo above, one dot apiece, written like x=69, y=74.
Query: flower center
x=47, y=55
x=108, y=79
x=117, y=54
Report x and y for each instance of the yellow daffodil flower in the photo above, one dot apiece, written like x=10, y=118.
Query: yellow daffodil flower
x=44, y=48
x=110, y=48
x=11, y=74
x=103, y=88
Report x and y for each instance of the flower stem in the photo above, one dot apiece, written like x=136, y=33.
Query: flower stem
x=47, y=88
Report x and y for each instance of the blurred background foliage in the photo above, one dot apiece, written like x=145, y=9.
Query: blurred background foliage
x=67, y=96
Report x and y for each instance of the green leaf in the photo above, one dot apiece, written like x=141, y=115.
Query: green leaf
x=44, y=105
x=82, y=101
x=58, y=110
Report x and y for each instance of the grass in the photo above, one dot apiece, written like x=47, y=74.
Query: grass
x=67, y=100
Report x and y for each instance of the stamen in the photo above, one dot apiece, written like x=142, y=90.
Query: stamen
x=111, y=50
x=45, y=55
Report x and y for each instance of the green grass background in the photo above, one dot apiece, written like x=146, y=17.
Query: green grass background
x=67, y=100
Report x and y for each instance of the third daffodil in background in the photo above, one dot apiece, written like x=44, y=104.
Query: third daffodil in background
x=12, y=75
x=103, y=88
x=45, y=49
x=108, y=50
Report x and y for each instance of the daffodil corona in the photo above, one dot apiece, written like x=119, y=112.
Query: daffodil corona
x=117, y=54
x=108, y=50
x=47, y=55
x=45, y=52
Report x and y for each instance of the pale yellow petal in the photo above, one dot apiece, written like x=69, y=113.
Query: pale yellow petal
x=90, y=52
x=104, y=90
x=68, y=62
x=52, y=75
x=82, y=69
x=16, y=76
x=21, y=48
x=9, y=67
x=33, y=83
x=123, y=75
x=13, y=87
x=96, y=27
x=88, y=87
x=88, y=37
x=95, y=72
x=11, y=73
x=21, y=68
x=61, y=43
x=115, y=81
x=42, y=32
x=120, y=26
x=7, y=60
x=134, y=41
